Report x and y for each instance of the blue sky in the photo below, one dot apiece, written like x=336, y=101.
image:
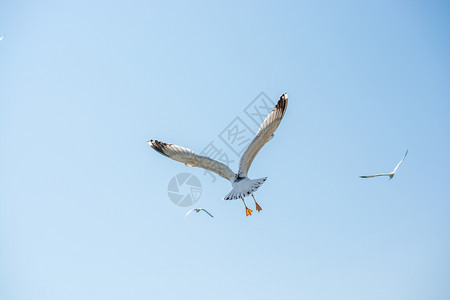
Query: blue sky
x=84, y=210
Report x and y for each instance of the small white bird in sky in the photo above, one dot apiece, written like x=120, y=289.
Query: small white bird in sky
x=242, y=185
x=197, y=210
x=391, y=174
x=2, y=37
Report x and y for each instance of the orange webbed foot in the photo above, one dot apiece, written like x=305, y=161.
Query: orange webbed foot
x=258, y=208
x=248, y=211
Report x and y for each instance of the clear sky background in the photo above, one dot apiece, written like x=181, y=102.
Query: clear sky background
x=84, y=210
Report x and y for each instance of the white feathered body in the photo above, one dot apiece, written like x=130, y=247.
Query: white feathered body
x=243, y=187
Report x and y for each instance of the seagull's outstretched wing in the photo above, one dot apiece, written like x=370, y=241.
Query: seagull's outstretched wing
x=2, y=37
x=191, y=159
x=400, y=162
x=189, y=212
x=207, y=212
x=376, y=175
x=263, y=135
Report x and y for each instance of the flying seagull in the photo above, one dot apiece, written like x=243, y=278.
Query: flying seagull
x=391, y=174
x=242, y=185
x=197, y=210
x=2, y=37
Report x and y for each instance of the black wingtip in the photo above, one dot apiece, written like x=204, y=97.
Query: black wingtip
x=282, y=103
x=159, y=146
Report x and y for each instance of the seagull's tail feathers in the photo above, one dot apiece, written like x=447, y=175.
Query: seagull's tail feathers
x=246, y=189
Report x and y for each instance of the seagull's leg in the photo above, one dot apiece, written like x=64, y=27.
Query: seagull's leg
x=258, y=208
x=248, y=211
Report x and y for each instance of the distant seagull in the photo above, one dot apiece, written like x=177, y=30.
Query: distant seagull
x=242, y=185
x=2, y=37
x=391, y=174
x=197, y=210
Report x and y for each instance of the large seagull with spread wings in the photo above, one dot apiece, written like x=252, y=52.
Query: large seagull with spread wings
x=242, y=185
